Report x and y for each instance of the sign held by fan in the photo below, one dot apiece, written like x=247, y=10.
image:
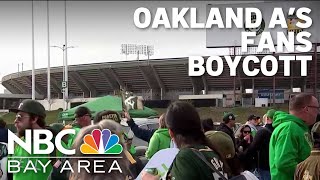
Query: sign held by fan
x=130, y=101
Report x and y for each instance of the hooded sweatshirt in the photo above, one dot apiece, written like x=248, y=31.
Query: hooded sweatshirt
x=290, y=144
x=159, y=140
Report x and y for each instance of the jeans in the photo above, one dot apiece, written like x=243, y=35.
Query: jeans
x=264, y=174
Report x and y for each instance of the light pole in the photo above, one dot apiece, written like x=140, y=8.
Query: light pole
x=65, y=76
x=48, y=70
x=33, y=86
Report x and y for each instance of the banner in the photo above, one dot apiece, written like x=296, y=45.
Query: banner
x=223, y=37
x=268, y=93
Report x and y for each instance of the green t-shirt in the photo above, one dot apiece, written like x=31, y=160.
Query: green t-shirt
x=73, y=137
x=31, y=174
x=187, y=165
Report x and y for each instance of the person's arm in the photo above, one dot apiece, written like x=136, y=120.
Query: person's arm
x=144, y=134
x=147, y=176
x=255, y=145
x=153, y=146
x=6, y=136
x=286, y=151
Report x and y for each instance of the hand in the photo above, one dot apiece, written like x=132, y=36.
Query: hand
x=127, y=115
x=128, y=143
x=247, y=137
x=147, y=176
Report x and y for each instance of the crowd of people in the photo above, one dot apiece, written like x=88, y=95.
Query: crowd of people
x=278, y=146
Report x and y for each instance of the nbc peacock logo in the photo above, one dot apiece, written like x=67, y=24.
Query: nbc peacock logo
x=101, y=142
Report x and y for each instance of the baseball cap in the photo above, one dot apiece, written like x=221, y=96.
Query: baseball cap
x=112, y=115
x=252, y=117
x=270, y=113
x=229, y=116
x=81, y=111
x=30, y=106
x=222, y=142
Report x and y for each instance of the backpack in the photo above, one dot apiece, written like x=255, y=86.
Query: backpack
x=244, y=176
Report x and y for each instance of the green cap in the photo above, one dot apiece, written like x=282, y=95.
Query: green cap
x=222, y=142
x=30, y=106
x=228, y=116
x=270, y=113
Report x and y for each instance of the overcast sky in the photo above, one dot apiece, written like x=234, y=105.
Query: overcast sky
x=97, y=29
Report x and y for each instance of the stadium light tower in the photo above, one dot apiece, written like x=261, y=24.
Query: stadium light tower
x=124, y=50
x=150, y=51
x=65, y=76
x=127, y=49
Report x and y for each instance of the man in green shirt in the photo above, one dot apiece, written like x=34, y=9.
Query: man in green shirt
x=30, y=115
x=83, y=119
x=290, y=141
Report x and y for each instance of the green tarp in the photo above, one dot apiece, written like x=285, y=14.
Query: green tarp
x=113, y=103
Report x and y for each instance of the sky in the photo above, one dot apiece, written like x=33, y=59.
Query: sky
x=96, y=29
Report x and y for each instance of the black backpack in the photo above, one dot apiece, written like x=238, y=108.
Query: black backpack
x=201, y=156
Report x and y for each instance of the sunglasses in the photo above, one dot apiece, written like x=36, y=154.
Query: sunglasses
x=246, y=132
x=19, y=117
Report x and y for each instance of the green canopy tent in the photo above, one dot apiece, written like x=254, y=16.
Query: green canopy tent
x=112, y=103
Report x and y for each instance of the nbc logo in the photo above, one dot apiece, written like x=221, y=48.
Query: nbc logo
x=97, y=143
x=101, y=142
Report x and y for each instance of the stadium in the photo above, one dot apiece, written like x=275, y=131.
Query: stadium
x=159, y=80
